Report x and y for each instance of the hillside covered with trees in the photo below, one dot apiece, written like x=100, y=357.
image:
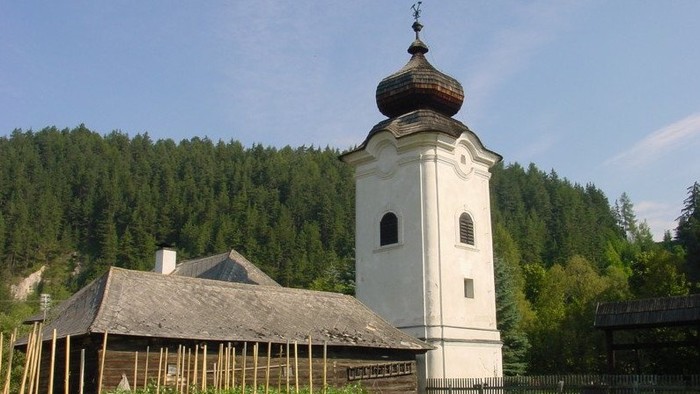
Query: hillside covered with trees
x=78, y=202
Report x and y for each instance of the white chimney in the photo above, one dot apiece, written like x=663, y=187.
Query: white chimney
x=165, y=260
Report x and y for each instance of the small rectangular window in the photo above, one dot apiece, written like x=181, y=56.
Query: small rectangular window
x=468, y=288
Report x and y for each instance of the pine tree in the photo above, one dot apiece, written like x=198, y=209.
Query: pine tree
x=515, y=342
x=626, y=216
x=2, y=235
x=688, y=232
x=108, y=240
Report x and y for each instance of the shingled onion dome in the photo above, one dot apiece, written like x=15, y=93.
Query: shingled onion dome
x=418, y=85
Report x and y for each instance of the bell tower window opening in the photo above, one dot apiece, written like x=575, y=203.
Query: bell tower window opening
x=389, y=229
x=466, y=229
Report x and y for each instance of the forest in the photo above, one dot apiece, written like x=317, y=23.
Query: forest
x=76, y=202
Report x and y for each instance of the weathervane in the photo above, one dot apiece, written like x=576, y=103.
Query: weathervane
x=417, y=26
x=416, y=10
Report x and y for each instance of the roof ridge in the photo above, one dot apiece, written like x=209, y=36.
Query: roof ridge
x=204, y=258
x=108, y=279
x=216, y=282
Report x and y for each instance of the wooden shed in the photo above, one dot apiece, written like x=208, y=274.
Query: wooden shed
x=649, y=314
x=147, y=313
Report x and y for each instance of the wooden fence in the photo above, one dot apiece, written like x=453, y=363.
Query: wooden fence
x=180, y=370
x=583, y=384
x=69, y=366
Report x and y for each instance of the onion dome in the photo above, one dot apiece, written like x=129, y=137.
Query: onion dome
x=418, y=85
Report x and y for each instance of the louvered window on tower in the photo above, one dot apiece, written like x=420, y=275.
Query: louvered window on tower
x=389, y=229
x=466, y=229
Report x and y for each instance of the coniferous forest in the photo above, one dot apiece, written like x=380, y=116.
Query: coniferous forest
x=77, y=202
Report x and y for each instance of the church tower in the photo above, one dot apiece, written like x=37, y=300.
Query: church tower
x=424, y=255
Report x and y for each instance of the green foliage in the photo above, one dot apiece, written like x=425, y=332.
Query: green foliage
x=658, y=274
x=572, y=251
x=627, y=219
x=78, y=202
x=563, y=340
x=551, y=219
x=109, y=200
x=515, y=341
x=338, y=278
x=688, y=233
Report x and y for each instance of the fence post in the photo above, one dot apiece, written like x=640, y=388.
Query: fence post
x=82, y=371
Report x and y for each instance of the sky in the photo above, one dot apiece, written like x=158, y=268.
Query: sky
x=603, y=92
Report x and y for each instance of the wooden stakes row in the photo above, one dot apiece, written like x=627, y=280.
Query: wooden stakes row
x=223, y=372
x=13, y=338
x=31, y=372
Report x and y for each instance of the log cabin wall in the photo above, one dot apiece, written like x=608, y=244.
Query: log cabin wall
x=76, y=346
x=378, y=370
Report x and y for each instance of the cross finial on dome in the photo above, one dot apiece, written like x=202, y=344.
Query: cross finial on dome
x=416, y=10
x=417, y=26
x=418, y=85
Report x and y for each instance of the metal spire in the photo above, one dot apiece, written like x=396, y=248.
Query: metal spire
x=417, y=26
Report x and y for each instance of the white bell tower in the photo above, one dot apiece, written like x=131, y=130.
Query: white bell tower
x=424, y=256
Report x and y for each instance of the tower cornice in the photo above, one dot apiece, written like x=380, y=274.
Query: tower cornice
x=418, y=127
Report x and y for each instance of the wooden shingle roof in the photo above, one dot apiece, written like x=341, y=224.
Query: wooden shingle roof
x=421, y=121
x=148, y=304
x=653, y=312
x=230, y=267
x=419, y=85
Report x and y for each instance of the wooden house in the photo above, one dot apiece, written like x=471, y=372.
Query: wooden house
x=160, y=328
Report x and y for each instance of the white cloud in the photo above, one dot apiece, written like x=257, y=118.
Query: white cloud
x=659, y=142
x=657, y=215
x=536, y=148
x=513, y=47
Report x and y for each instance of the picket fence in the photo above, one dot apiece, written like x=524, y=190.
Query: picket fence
x=583, y=384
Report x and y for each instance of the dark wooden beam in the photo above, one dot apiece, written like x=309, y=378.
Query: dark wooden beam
x=609, y=343
x=653, y=345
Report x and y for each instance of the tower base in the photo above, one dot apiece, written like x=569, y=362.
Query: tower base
x=460, y=359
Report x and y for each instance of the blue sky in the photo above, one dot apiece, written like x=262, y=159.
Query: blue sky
x=606, y=92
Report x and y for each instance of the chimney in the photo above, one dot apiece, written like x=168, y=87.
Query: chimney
x=165, y=260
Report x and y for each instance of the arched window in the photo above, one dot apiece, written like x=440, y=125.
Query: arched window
x=466, y=229
x=389, y=229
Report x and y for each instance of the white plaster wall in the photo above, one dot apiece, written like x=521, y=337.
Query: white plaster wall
x=465, y=188
x=464, y=360
x=428, y=180
x=467, y=339
x=388, y=277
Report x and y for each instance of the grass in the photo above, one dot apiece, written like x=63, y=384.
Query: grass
x=151, y=389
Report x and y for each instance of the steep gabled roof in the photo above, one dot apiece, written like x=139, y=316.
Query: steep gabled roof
x=229, y=267
x=148, y=304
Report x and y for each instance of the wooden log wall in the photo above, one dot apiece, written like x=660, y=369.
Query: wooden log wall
x=91, y=364
x=180, y=363
x=379, y=371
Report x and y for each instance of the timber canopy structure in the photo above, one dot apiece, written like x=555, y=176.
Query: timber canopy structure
x=682, y=312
